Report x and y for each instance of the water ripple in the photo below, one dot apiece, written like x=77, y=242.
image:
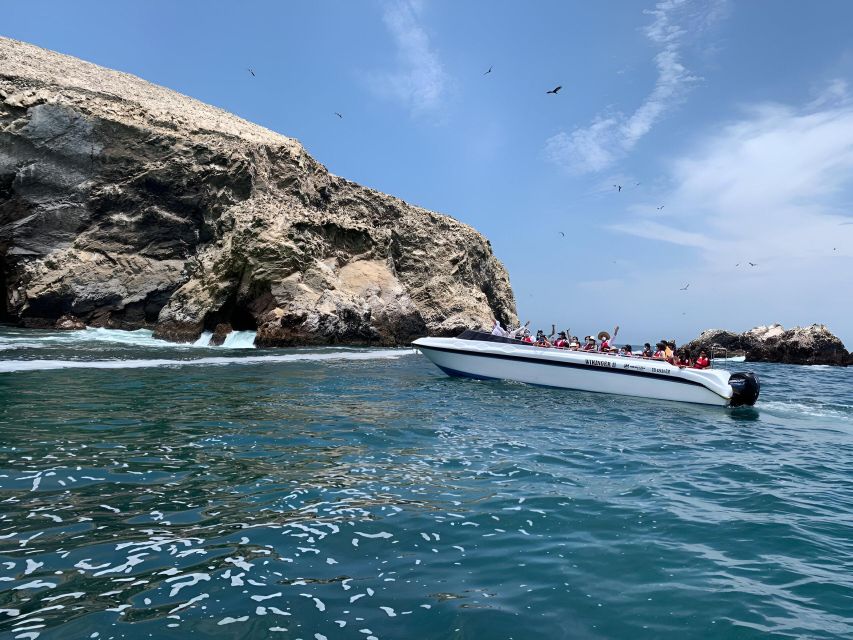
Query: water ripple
x=332, y=497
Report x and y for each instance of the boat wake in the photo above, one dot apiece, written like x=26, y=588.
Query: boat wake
x=10, y=366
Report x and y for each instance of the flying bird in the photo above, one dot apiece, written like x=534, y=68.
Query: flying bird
x=338, y=114
x=252, y=72
x=564, y=235
x=738, y=264
x=618, y=188
x=752, y=264
x=555, y=90
x=637, y=184
x=488, y=72
x=661, y=207
x=684, y=288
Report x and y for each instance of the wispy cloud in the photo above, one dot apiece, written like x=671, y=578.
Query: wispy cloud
x=611, y=136
x=774, y=188
x=656, y=231
x=419, y=80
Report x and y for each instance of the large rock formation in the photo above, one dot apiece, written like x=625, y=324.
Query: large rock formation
x=800, y=345
x=124, y=204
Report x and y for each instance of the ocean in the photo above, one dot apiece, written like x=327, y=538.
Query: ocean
x=152, y=490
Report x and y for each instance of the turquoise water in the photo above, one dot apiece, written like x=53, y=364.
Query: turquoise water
x=356, y=493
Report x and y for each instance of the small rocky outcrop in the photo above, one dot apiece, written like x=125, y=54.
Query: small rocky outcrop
x=69, y=323
x=220, y=334
x=128, y=205
x=773, y=343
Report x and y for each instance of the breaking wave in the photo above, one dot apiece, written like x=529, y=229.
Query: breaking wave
x=137, y=338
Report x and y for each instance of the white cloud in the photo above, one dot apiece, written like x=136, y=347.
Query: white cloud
x=419, y=81
x=774, y=188
x=608, y=138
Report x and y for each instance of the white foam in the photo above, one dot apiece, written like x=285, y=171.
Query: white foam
x=203, y=339
x=239, y=340
x=8, y=366
x=136, y=338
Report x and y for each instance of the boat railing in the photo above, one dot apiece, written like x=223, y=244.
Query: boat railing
x=485, y=336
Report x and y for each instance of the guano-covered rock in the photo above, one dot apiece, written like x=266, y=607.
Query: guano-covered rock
x=127, y=205
x=814, y=344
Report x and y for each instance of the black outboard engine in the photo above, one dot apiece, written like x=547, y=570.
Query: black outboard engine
x=745, y=388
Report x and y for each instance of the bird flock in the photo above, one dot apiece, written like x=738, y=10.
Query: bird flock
x=618, y=187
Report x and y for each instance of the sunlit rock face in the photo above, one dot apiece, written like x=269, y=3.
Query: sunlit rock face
x=127, y=205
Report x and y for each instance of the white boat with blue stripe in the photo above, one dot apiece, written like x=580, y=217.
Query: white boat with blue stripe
x=480, y=355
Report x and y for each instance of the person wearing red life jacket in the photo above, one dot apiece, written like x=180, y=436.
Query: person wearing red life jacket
x=702, y=362
x=660, y=353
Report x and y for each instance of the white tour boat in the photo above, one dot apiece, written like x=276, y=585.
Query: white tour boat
x=476, y=354
x=732, y=359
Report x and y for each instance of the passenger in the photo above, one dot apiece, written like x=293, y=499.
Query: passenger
x=702, y=362
x=553, y=333
x=519, y=331
x=526, y=337
x=590, y=344
x=605, y=341
x=541, y=340
x=575, y=344
x=681, y=359
x=561, y=342
x=627, y=351
x=660, y=353
x=647, y=351
x=498, y=330
x=668, y=351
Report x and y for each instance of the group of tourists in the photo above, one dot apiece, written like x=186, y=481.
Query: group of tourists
x=664, y=350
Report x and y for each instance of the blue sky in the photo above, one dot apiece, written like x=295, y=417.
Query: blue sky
x=736, y=118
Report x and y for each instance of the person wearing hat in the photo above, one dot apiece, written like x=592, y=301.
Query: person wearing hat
x=575, y=344
x=605, y=341
x=561, y=342
x=590, y=344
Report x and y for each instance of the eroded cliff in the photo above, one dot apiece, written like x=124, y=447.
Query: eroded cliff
x=125, y=205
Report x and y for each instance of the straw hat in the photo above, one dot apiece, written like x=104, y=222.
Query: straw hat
x=603, y=335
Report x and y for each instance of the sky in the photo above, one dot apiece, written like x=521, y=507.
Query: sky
x=729, y=127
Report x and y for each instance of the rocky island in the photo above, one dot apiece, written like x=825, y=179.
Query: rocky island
x=127, y=205
x=814, y=344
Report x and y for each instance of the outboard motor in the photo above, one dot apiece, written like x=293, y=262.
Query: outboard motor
x=745, y=388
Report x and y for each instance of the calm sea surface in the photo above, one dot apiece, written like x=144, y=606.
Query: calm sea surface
x=159, y=491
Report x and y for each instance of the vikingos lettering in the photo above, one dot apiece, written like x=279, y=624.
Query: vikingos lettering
x=602, y=363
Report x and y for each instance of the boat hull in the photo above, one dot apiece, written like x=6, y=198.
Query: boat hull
x=576, y=370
